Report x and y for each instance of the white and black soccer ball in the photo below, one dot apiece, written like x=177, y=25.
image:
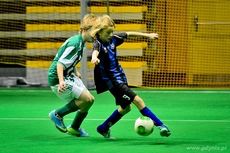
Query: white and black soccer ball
x=144, y=126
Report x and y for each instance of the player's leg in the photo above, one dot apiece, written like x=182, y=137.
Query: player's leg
x=75, y=90
x=104, y=128
x=57, y=115
x=74, y=128
x=115, y=117
x=145, y=111
x=123, y=98
x=83, y=100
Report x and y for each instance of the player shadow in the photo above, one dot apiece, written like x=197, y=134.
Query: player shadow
x=170, y=141
x=45, y=137
x=160, y=141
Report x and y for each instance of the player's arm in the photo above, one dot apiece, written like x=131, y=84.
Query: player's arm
x=95, y=53
x=141, y=34
x=62, y=85
x=94, y=59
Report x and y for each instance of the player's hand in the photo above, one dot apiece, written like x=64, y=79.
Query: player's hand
x=153, y=35
x=95, y=61
x=61, y=87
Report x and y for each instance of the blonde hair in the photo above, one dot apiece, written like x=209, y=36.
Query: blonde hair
x=87, y=22
x=101, y=23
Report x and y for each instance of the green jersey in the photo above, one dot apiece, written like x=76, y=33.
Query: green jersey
x=68, y=55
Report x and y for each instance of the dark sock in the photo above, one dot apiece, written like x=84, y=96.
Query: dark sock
x=116, y=116
x=68, y=108
x=79, y=117
x=147, y=112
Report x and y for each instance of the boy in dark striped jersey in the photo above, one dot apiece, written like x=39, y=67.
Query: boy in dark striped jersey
x=109, y=75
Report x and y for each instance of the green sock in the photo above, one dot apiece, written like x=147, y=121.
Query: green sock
x=68, y=108
x=79, y=117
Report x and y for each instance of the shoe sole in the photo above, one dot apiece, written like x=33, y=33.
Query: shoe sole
x=77, y=135
x=61, y=130
x=165, y=133
x=110, y=138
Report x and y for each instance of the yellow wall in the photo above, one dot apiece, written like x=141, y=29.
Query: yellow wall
x=193, y=50
x=209, y=52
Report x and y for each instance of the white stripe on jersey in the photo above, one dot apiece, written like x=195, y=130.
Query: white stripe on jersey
x=66, y=62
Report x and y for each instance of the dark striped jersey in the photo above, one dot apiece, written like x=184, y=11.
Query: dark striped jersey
x=108, y=72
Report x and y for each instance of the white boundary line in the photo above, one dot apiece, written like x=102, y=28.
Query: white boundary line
x=100, y=119
x=141, y=91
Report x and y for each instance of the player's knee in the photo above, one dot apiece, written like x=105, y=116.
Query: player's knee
x=127, y=109
x=138, y=99
x=139, y=102
x=90, y=100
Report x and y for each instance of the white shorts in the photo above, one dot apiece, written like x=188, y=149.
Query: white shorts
x=74, y=88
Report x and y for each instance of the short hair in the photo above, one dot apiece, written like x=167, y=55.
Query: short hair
x=101, y=23
x=87, y=22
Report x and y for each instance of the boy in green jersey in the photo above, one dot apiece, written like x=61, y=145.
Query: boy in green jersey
x=65, y=80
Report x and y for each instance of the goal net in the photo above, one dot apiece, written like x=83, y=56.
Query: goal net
x=192, y=51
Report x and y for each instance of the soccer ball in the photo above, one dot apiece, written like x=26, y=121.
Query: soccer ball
x=144, y=126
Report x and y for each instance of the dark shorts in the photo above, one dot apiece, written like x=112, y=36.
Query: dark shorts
x=123, y=94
